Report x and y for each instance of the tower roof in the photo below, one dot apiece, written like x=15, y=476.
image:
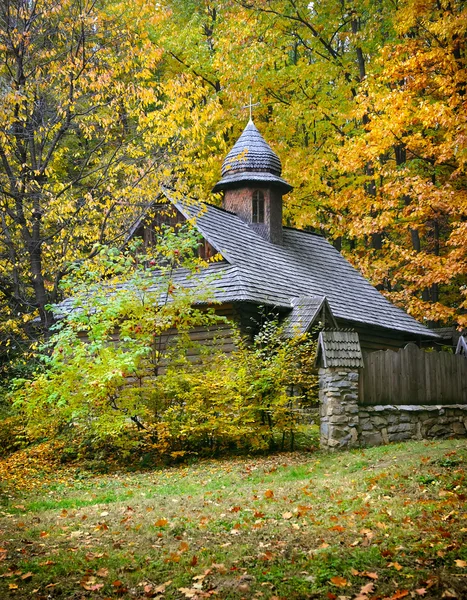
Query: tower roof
x=251, y=160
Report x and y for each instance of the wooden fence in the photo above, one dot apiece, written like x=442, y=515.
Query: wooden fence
x=413, y=376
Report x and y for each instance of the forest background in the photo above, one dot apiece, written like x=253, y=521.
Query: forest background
x=103, y=102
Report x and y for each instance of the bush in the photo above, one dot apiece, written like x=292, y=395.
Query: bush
x=13, y=435
x=140, y=397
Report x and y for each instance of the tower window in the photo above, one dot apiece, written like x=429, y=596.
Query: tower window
x=258, y=207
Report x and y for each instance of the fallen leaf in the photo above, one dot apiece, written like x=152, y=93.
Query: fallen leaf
x=287, y=515
x=396, y=565
x=269, y=494
x=449, y=594
x=95, y=587
x=399, y=594
x=421, y=591
x=188, y=592
x=102, y=572
x=12, y=586
x=161, y=523
x=339, y=581
x=460, y=563
x=26, y=576
x=367, y=589
x=369, y=575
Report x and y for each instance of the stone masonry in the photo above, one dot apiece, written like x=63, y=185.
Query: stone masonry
x=384, y=424
x=338, y=396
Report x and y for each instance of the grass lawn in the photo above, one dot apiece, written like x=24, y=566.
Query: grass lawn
x=387, y=522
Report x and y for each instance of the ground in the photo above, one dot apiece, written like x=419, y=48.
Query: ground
x=385, y=522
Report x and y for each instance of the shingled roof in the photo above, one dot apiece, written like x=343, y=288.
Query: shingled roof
x=339, y=349
x=251, y=159
x=305, y=312
x=306, y=265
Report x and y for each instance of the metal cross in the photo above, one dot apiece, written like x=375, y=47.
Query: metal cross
x=250, y=105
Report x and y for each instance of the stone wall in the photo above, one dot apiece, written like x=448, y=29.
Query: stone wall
x=384, y=424
x=346, y=424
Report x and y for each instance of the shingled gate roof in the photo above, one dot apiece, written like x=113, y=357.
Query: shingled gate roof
x=306, y=264
x=339, y=349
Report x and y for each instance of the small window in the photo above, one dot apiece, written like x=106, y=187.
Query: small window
x=258, y=207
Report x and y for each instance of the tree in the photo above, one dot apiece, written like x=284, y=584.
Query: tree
x=113, y=338
x=87, y=134
x=415, y=141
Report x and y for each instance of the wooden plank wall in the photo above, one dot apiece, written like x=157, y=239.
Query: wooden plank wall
x=413, y=376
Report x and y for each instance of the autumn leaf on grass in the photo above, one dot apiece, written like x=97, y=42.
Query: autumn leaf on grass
x=396, y=565
x=460, y=563
x=399, y=594
x=161, y=523
x=89, y=584
x=287, y=515
x=102, y=572
x=152, y=591
x=27, y=576
x=269, y=494
x=188, y=592
x=364, y=591
x=369, y=575
x=3, y=553
x=339, y=581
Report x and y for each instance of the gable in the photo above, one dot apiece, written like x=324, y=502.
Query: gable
x=307, y=311
x=161, y=214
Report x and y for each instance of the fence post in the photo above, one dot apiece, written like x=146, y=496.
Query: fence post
x=338, y=399
x=340, y=358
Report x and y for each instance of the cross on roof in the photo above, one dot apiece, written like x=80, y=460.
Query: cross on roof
x=250, y=105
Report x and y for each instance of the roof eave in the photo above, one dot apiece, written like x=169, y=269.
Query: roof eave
x=235, y=183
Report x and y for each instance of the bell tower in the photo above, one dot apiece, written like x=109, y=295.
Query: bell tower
x=252, y=184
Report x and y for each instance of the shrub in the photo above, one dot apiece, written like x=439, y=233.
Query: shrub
x=111, y=382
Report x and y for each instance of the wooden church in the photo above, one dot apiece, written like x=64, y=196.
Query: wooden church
x=266, y=266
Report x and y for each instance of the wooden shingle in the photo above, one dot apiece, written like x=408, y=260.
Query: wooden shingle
x=339, y=349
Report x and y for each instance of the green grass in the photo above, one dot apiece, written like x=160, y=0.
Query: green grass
x=288, y=526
